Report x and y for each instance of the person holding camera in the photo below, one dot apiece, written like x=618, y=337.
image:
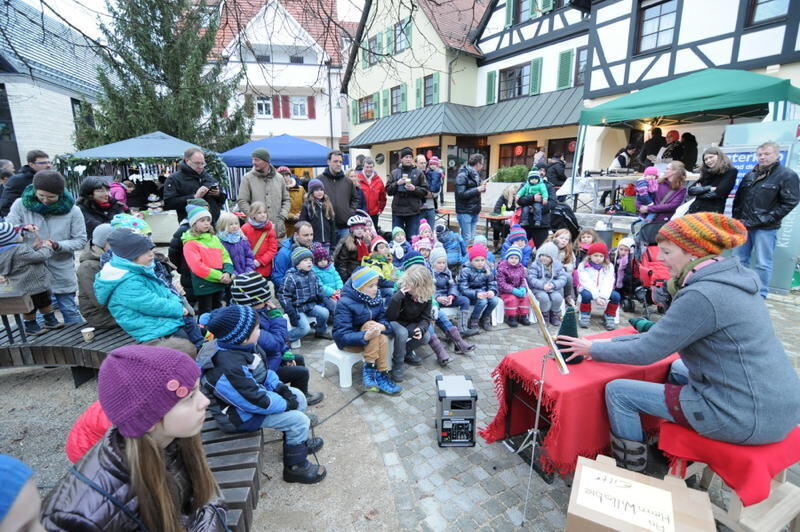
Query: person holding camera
x=408, y=188
x=192, y=181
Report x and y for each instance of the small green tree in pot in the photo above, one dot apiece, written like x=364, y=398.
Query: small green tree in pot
x=514, y=174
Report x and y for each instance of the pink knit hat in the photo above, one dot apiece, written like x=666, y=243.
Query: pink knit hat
x=651, y=170
x=477, y=250
x=424, y=226
x=139, y=384
x=423, y=243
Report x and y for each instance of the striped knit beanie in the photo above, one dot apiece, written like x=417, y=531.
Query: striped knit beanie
x=705, y=233
x=230, y=325
x=8, y=234
x=512, y=250
x=195, y=213
x=250, y=289
x=423, y=243
x=516, y=233
x=300, y=253
x=362, y=277
x=413, y=258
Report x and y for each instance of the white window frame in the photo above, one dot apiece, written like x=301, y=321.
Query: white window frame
x=264, y=100
x=298, y=100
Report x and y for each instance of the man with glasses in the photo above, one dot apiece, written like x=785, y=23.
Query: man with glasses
x=37, y=161
x=192, y=181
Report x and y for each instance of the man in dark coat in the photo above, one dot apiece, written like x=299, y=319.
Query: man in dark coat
x=408, y=188
x=765, y=196
x=468, y=196
x=652, y=147
x=341, y=191
x=192, y=181
x=37, y=160
x=556, y=170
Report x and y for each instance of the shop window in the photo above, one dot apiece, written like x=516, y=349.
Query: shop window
x=766, y=11
x=656, y=24
x=514, y=82
x=518, y=153
x=565, y=146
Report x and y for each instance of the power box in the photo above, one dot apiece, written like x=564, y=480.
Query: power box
x=456, y=411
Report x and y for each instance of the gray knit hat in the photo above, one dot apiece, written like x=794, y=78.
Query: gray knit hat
x=101, y=234
x=438, y=252
x=128, y=244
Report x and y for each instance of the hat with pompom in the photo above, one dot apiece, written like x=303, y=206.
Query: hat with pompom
x=230, y=325
x=705, y=233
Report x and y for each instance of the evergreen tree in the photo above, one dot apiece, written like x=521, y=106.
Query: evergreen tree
x=160, y=74
x=569, y=327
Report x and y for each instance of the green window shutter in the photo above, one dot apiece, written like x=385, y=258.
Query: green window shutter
x=547, y=6
x=435, y=88
x=534, y=7
x=354, y=111
x=389, y=49
x=509, y=12
x=387, y=104
x=376, y=102
x=536, y=76
x=565, y=69
x=364, y=56
x=379, y=46
x=403, y=98
x=419, y=93
x=491, y=85
x=408, y=31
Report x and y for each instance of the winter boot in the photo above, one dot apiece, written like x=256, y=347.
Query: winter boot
x=33, y=329
x=398, y=373
x=629, y=454
x=473, y=325
x=555, y=318
x=51, y=322
x=511, y=321
x=387, y=385
x=583, y=321
x=313, y=398
x=525, y=321
x=441, y=353
x=609, y=322
x=466, y=328
x=369, y=377
x=486, y=323
x=412, y=359
x=297, y=468
x=461, y=347
x=314, y=445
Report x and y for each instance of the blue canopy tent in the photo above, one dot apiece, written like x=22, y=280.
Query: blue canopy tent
x=152, y=146
x=285, y=150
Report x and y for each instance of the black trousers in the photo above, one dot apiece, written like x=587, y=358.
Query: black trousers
x=295, y=376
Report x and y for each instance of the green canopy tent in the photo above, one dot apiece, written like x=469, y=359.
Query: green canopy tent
x=710, y=94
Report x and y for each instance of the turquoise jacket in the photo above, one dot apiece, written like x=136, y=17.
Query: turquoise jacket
x=138, y=300
x=330, y=279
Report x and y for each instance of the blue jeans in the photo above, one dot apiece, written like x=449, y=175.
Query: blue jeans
x=461, y=302
x=626, y=399
x=304, y=327
x=293, y=423
x=430, y=215
x=68, y=306
x=483, y=307
x=409, y=224
x=762, y=243
x=402, y=344
x=468, y=223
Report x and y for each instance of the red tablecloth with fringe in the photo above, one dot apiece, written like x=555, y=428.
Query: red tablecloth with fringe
x=574, y=404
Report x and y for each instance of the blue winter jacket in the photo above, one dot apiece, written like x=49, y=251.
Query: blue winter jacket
x=236, y=376
x=455, y=247
x=272, y=338
x=352, y=312
x=282, y=263
x=527, y=253
x=445, y=284
x=138, y=300
x=472, y=281
x=434, y=181
x=301, y=291
x=329, y=278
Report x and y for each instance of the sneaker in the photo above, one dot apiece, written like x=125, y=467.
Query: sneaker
x=412, y=359
x=314, y=398
x=387, y=385
x=51, y=322
x=33, y=329
x=609, y=322
x=511, y=321
x=524, y=320
x=584, y=319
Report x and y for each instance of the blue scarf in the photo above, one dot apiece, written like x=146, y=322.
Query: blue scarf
x=230, y=238
x=257, y=225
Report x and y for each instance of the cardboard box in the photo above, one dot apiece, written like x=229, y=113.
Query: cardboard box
x=606, y=498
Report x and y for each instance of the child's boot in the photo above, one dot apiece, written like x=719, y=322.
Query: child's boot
x=466, y=328
x=387, y=385
x=461, y=347
x=314, y=445
x=473, y=324
x=441, y=353
x=486, y=323
x=511, y=321
x=33, y=329
x=524, y=320
x=51, y=322
x=583, y=321
x=297, y=468
x=369, y=377
x=609, y=322
x=555, y=318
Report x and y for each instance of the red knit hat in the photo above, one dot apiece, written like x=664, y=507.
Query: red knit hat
x=373, y=246
x=705, y=233
x=598, y=247
x=477, y=250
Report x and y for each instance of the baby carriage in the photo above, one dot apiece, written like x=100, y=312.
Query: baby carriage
x=649, y=271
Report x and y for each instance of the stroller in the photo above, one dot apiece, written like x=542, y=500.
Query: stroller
x=649, y=272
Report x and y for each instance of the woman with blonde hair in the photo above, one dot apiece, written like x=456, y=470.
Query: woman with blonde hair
x=670, y=193
x=149, y=471
x=717, y=177
x=410, y=313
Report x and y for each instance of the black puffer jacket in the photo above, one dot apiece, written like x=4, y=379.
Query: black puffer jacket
x=765, y=197
x=181, y=186
x=94, y=215
x=14, y=187
x=556, y=173
x=405, y=202
x=342, y=193
x=410, y=313
x=705, y=199
x=527, y=201
x=468, y=197
x=74, y=505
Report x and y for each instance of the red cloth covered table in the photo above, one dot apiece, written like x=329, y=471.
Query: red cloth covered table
x=574, y=404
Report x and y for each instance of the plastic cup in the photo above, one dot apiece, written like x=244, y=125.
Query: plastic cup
x=88, y=334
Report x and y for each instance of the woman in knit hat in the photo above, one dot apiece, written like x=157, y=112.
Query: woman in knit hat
x=151, y=465
x=211, y=264
x=318, y=211
x=47, y=205
x=733, y=382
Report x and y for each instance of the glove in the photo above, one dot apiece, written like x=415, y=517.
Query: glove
x=275, y=313
x=283, y=390
x=291, y=402
x=641, y=325
x=519, y=292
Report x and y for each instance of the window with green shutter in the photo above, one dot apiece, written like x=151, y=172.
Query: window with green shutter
x=435, y=95
x=403, y=98
x=364, y=55
x=376, y=99
x=491, y=85
x=419, y=94
x=389, y=48
x=510, y=12
x=547, y=5
x=354, y=112
x=534, y=8
x=408, y=31
x=379, y=47
x=565, y=69
x=385, y=109
x=536, y=76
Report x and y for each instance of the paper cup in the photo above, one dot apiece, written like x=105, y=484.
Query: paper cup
x=88, y=334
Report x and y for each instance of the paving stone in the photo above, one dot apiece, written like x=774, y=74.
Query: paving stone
x=422, y=470
x=493, y=507
x=493, y=486
x=397, y=473
x=391, y=459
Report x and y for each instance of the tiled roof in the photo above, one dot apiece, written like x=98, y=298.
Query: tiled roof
x=55, y=53
x=456, y=21
x=315, y=16
x=551, y=109
x=349, y=27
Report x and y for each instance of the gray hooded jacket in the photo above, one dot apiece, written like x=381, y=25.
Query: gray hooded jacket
x=742, y=388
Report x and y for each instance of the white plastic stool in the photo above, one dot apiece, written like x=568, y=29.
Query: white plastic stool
x=344, y=360
x=297, y=344
x=499, y=314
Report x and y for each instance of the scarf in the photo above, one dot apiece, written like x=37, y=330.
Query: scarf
x=257, y=225
x=104, y=205
x=622, y=263
x=62, y=206
x=597, y=267
x=764, y=171
x=362, y=249
x=230, y=238
x=368, y=301
x=675, y=284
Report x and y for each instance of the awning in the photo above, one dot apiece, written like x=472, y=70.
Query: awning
x=284, y=150
x=153, y=145
x=551, y=109
x=706, y=95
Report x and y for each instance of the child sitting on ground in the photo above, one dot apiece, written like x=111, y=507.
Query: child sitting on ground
x=359, y=324
x=596, y=276
x=380, y=261
x=399, y=246
x=586, y=238
x=547, y=278
x=518, y=238
x=454, y=245
x=513, y=288
x=646, y=188
x=447, y=295
x=351, y=249
x=301, y=297
x=535, y=185
x=566, y=256
x=233, y=239
x=246, y=396
x=261, y=236
x=24, y=267
x=252, y=290
x=211, y=265
x=477, y=282
x=327, y=275
x=423, y=246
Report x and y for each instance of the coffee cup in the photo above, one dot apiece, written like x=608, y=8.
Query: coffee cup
x=88, y=334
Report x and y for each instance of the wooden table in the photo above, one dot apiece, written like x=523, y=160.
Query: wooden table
x=491, y=217
x=442, y=214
